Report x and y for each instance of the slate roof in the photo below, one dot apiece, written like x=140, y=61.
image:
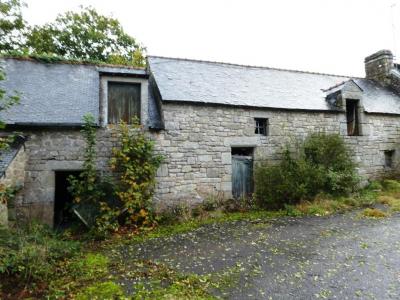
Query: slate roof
x=222, y=83
x=58, y=94
x=51, y=93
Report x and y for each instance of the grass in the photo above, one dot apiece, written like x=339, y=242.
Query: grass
x=374, y=213
x=212, y=218
x=387, y=193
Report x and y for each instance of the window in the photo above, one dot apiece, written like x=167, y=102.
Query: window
x=352, y=117
x=261, y=126
x=123, y=102
x=389, y=154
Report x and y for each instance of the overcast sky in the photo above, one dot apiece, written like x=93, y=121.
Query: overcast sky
x=330, y=36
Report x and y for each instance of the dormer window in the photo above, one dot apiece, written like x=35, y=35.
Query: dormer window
x=123, y=102
x=352, y=117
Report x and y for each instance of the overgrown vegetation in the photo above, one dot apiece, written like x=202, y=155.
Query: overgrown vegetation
x=137, y=165
x=7, y=100
x=32, y=254
x=322, y=164
x=124, y=198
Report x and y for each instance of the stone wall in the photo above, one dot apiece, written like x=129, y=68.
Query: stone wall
x=198, y=139
x=14, y=176
x=56, y=150
x=197, y=146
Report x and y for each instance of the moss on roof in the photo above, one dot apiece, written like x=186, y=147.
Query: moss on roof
x=55, y=59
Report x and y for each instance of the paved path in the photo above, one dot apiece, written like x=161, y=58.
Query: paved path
x=337, y=257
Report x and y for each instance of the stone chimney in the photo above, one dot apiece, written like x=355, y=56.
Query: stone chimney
x=378, y=67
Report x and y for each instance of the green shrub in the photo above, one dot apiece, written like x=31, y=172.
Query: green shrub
x=374, y=186
x=322, y=164
x=328, y=154
x=33, y=252
x=391, y=185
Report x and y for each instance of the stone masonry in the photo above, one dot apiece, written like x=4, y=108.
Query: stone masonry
x=197, y=144
x=198, y=139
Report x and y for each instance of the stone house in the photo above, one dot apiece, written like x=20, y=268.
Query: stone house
x=210, y=120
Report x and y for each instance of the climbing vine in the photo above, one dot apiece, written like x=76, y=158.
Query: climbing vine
x=136, y=163
x=85, y=186
x=125, y=199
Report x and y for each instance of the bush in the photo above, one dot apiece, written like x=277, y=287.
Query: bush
x=33, y=252
x=322, y=164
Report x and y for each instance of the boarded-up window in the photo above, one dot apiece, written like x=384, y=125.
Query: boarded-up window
x=353, y=126
x=123, y=102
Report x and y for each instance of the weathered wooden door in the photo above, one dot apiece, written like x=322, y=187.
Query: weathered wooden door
x=242, y=176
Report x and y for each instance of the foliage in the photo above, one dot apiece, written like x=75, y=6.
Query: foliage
x=102, y=290
x=129, y=199
x=86, y=35
x=391, y=185
x=86, y=186
x=12, y=25
x=374, y=213
x=92, y=265
x=92, y=192
x=89, y=188
x=310, y=172
x=7, y=193
x=137, y=165
x=332, y=160
x=32, y=253
x=6, y=101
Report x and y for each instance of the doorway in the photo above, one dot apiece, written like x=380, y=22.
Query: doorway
x=63, y=200
x=242, y=172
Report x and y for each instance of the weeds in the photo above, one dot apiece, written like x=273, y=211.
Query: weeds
x=374, y=213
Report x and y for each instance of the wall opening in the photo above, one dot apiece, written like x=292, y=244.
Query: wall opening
x=242, y=172
x=389, y=155
x=352, y=117
x=63, y=201
x=242, y=151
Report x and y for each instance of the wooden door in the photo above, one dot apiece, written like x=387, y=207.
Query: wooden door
x=242, y=176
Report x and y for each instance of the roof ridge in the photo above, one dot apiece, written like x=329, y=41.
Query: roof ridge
x=251, y=66
x=67, y=61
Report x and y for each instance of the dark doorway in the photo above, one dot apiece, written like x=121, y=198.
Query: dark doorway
x=63, y=216
x=242, y=172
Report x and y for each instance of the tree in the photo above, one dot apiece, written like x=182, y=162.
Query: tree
x=86, y=35
x=12, y=25
x=6, y=101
